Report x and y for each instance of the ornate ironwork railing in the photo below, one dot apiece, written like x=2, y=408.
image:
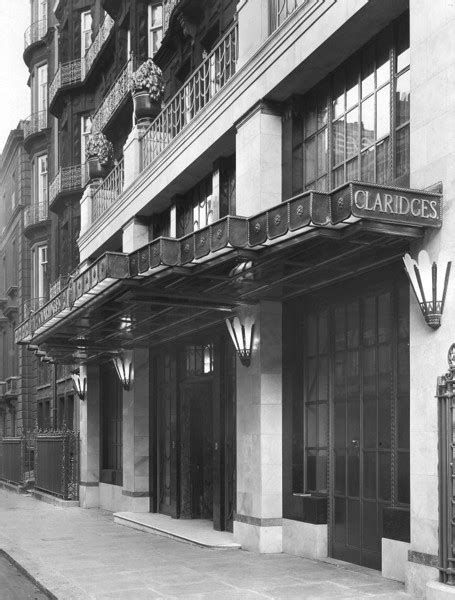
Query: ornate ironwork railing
x=35, y=32
x=202, y=86
x=57, y=463
x=67, y=179
x=280, y=10
x=445, y=394
x=67, y=74
x=36, y=213
x=116, y=95
x=57, y=286
x=35, y=123
x=94, y=49
x=168, y=7
x=108, y=192
x=31, y=306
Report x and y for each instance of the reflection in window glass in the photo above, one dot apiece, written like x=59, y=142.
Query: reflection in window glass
x=383, y=112
x=403, y=98
x=402, y=152
x=368, y=165
x=352, y=133
x=382, y=159
x=368, y=136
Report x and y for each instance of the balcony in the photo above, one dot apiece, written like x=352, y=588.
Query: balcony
x=68, y=74
x=117, y=94
x=35, y=214
x=212, y=75
x=35, y=33
x=108, y=192
x=31, y=306
x=68, y=179
x=95, y=48
x=35, y=123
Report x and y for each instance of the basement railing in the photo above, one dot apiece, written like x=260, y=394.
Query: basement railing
x=67, y=179
x=101, y=37
x=108, y=192
x=116, y=95
x=35, y=213
x=67, y=74
x=280, y=10
x=35, y=32
x=35, y=123
x=202, y=86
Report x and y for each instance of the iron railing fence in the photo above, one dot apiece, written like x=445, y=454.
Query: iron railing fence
x=108, y=192
x=210, y=77
x=115, y=96
x=35, y=32
x=280, y=10
x=36, y=213
x=17, y=458
x=67, y=179
x=57, y=463
x=67, y=74
x=32, y=305
x=95, y=47
x=35, y=123
x=445, y=394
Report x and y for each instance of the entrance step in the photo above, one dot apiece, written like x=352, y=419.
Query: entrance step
x=191, y=531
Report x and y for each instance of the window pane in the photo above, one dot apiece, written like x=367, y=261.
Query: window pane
x=352, y=170
x=368, y=122
x=310, y=121
x=368, y=165
x=352, y=132
x=367, y=71
x=403, y=98
x=310, y=160
x=352, y=84
x=322, y=113
x=157, y=15
x=338, y=94
x=338, y=141
x=403, y=44
x=338, y=176
x=402, y=152
x=321, y=184
x=322, y=153
x=382, y=160
x=383, y=112
x=383, y=59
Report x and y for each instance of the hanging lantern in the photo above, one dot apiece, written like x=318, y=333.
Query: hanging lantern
x=242, y=336
x=124, y=366
x=429, y=282
x=79, y=377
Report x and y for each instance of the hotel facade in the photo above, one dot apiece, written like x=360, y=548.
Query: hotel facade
x=231, y=291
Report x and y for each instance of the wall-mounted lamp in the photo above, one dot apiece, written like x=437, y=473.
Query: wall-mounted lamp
x=79, y=377
x=429, y=282
x=242, y=335
x=124, y=366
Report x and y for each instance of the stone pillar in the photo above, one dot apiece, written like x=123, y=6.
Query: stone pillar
x=253, y=22
x=258, y=160
x=132, y=154
x=89, y=411
x=86, y=208
x=432, y=159
x=135, y=235
x=136, y=436
x=258, y=522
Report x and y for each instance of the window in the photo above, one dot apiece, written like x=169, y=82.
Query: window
x=41, y=180
x=38, y=11
x=41, y=90
x=355, y=124
x=86, y=128
x=39, y=271
x=155, y=20
x=196, y=210
x=86, y=32
x=198, y=360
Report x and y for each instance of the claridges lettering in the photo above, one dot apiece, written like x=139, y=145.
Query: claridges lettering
x=395, y=204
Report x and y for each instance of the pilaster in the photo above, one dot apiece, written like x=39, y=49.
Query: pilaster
x=89, y=411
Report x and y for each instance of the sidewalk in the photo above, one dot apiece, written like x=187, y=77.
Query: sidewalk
x=81, y=554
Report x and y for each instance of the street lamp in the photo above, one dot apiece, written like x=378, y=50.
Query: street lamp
x=124, y=366
x=429, y=282
x=242, y=336
x=79, y=377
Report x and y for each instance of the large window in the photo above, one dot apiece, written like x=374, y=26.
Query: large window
x=41, y=89
x=39, y=271
x=355, y=124
x=86, y=32
x=195, y=210
x=40, y=180
x=155, y=22
x=86, y=128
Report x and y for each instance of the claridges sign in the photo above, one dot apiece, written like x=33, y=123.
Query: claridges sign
x=397, y=205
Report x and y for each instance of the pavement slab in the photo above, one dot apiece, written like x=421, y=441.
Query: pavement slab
x=79, y=554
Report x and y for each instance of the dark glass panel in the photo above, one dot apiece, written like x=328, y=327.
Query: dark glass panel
x=352, y=170
x=384, y=396
x=297, y=169
x=353, y=324
x=322, y=472
x=353, y=473
x=403, y=98
x=384, y=317
x=369, y=422
x=338, y=141
x=322, y=152
x=310, y=119
x=311, y=425
x=339, y=410
x=370, y=533
x=312, y=373
x=340, y=472
x=297, y=479
x=368, y=59
x=383, y=112
x=321, y=184
x=322, y=109
x=369, y=475
x=368, y=165
x=339, y=383
x=311, y=338
x=311, y=471
x=403, y=396
x=339, y=533
x=323, y=424
x=338, y=176
x=310, y=159
x=403, y=478
x=352, y=133
x=340, y=326
x=403, y=312
x=384, y=476
x=323, y=391
x=368, y=119
x=323, y=332
x=353, y=524
x=402, y=152
x=369, y=321
x=382, y=162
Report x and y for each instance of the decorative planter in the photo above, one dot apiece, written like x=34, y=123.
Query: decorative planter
x=95, y=169
x=145, y=109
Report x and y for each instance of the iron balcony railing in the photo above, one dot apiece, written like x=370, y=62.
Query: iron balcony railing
x=67, y=74
x=101, y=37
x=35, y=213
x=35, y=123
x=108, y=192
x=57, y=286
x=202, y=86
x=116, y=95
x=280, y=10
x=35, y=32
x=67, y=179
x=31, y=306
